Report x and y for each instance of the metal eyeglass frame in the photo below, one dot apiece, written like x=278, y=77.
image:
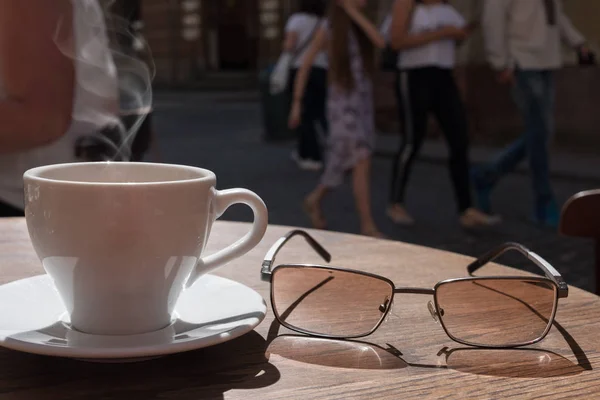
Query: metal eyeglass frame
x=553, y=278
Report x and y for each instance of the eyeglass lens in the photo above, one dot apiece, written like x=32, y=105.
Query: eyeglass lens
x=329, y=302
x=496, y=312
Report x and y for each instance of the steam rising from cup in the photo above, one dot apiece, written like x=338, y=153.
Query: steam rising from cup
x=116, y=83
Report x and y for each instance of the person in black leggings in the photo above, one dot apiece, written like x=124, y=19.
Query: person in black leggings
x=423, y=91
x=425, y=86
x=313, y=119
x=300, y=30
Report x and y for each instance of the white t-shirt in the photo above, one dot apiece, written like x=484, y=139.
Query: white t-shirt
x=304, y=26
x=435, y=54
x=96, y=101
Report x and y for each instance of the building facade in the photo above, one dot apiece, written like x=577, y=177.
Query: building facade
x=194, y=41
x=190, y=39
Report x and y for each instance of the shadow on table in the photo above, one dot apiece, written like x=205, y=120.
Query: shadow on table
x=335, y=353
x=207, y=373
x=510, y=363
x=354, y=354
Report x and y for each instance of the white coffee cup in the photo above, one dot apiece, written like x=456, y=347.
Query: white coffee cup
x=122, y=240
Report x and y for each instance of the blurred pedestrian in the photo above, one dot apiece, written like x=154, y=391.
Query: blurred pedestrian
x=57, y=84
x=300, y=30
x=389, y=56
x=523, y=45
x=350, y=40
x=427, y=33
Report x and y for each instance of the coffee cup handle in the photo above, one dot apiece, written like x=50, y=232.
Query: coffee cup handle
x=221, y=202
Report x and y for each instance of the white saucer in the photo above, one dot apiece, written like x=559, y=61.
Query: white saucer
x=214, y=310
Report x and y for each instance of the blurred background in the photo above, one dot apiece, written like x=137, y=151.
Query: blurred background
x=211, y=110
x=223, y=45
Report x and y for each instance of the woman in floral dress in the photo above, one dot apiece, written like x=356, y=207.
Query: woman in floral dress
x=350, y=39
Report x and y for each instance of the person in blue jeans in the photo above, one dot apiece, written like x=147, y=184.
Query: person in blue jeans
x=523, y=44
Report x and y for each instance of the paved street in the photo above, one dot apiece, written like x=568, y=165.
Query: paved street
x=223, y=133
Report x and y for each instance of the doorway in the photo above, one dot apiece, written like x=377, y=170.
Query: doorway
x=238, y=34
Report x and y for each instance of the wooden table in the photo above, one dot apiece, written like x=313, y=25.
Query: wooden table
x=272, y=363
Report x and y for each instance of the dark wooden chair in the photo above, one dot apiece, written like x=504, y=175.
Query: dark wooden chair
x=581, y=218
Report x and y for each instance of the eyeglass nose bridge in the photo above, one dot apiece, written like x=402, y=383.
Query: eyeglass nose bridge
x=432, y=309
x=406, y=290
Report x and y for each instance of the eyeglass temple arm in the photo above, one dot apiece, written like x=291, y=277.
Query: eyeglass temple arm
x=267, y=265
x=549, y=270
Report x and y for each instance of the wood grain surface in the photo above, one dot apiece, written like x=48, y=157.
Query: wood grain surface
x=409, y=356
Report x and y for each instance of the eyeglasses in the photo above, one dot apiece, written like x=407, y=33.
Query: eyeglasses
x=340, y=303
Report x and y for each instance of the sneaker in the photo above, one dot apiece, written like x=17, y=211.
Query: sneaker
x=548, y=216
x=483, y=192
x=310, y=165
x=399, y=215
x=295, y=157
x=473, y=218
x=305, y=163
